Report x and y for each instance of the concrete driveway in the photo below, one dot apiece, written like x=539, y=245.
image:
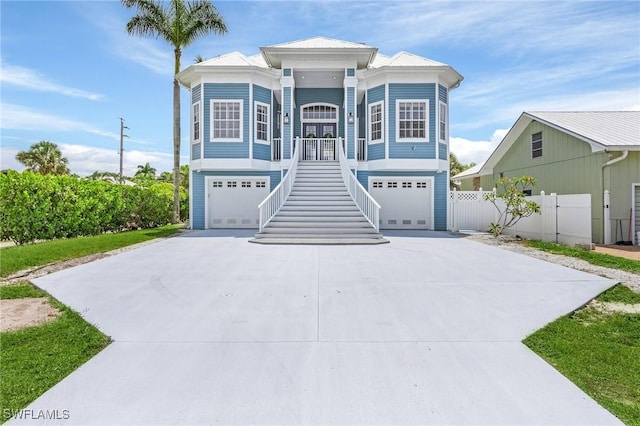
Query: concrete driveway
x=209, y=329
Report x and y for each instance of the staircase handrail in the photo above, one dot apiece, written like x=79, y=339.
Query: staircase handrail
x=276, y=198
x=365, y=202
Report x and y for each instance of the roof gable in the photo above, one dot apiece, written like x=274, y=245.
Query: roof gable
x=406, y=59
x=602, y=130
x=233, y=59
x=321, y=43
x=310, y=49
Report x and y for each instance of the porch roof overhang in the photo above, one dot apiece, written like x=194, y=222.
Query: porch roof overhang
x=274, y=56
x=194, y=72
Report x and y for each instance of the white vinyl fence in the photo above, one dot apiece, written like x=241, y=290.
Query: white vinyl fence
x=563, y=219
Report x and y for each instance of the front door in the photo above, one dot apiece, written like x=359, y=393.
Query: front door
x=319, y=130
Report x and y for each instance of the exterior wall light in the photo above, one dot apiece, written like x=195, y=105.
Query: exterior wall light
x=350, y=119
x=286, y=118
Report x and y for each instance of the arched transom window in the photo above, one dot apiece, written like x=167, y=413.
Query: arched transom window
x=320, y=113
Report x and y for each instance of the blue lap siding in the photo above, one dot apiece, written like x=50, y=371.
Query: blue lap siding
x=412, y=92
x=375, y=151
x=195, y=151
x=261, y=151
x=234, y=91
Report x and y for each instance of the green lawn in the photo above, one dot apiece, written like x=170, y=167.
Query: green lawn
x=36, y=358
x=599, y=352
x=599, y=259
x=17, y=258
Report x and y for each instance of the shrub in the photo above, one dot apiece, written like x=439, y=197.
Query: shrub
x=42, y=207
x=514, y=204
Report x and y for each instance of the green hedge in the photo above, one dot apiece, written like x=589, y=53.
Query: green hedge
x=43, y=207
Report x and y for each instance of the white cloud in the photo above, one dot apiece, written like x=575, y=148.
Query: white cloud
x=84, y=160
x=17, y=117
x=33, y=80
x=8, y=159
x=468, y=151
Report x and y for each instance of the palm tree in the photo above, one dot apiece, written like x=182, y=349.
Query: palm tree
x=180, y=23
x=45, y=158
x=184, y=177
x=106, y=176
x=165, y=177
x=146, y=171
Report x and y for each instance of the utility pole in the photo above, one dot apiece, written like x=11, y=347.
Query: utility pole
x=122, y=136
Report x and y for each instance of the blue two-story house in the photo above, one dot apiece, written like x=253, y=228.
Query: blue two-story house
x=389, y=113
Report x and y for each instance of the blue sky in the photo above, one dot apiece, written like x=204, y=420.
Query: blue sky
x=69, y=70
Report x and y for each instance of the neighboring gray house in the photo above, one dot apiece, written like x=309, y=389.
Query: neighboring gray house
x=390, y=112
x=574, y=153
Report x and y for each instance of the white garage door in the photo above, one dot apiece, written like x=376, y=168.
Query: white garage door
x=406, y=203
x=232, y=202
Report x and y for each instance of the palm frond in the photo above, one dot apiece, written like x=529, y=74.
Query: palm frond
x=202, y=18
x=152, y=20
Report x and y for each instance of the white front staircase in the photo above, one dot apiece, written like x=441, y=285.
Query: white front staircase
x=319, y=210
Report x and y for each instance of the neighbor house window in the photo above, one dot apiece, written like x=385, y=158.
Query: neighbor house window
x=536, y=145
x=411, y=120
x=226, y=120
x=262, y=122
x=443, y=117
x=196, y=121
x=376, y=130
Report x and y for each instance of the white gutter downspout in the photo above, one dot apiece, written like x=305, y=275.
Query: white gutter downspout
x=606, y=223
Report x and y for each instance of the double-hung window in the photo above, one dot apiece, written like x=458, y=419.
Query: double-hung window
x=443, y=118
x=226, y=120
x=376, y=128
x=536, y=145
x=262, y=122
x=411, y=120
x=196, y=121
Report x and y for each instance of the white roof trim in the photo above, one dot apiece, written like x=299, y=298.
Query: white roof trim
x=470, y=172
x=602, y=130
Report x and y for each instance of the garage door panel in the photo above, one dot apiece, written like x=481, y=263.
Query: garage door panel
x=406, y=203
x=233, y=202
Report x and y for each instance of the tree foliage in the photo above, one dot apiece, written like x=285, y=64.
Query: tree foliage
x=45, y=158
x=41, y=207
x=180, y=23
x=511, y=202
x=456, y=167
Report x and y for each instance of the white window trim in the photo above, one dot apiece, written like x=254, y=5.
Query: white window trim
x=369, y=122
x=193, y=122
x=241, y=138
x=255, y=120
x=426, y=124
x=446, y=121
x=319, y=120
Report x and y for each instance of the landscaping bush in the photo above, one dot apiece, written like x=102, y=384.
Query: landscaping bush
x=42, y=207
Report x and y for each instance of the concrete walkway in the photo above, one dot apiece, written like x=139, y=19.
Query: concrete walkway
x=210, y=329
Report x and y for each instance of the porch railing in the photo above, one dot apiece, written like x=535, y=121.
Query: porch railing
x=276, y=149
x=318, y=149
x=365, y=202
x=274, y=201
x=362, y=149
